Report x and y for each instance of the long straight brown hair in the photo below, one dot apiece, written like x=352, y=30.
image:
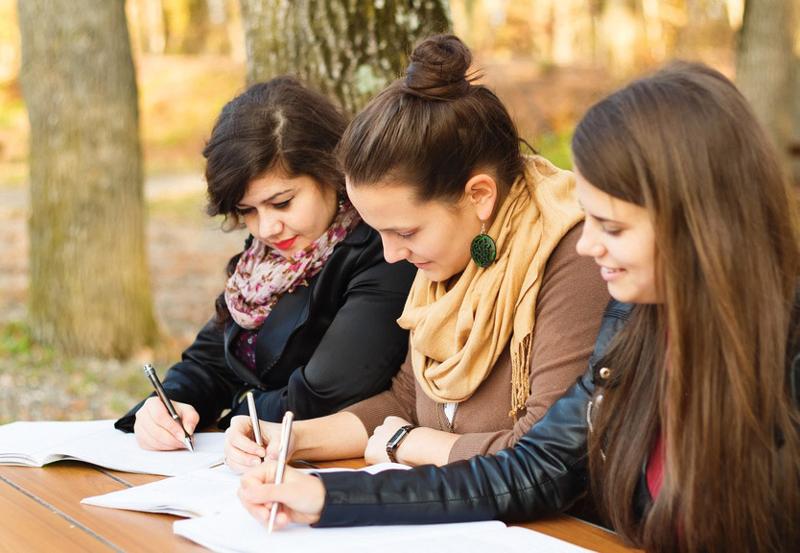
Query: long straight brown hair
x=707, y=368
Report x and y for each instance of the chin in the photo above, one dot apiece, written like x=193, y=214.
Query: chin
x=623, y=294
x=434, y=275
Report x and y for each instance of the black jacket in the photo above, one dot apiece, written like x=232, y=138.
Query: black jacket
x=322, y=347
x=544, y=473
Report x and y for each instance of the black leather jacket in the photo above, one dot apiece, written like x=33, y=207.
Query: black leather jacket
x=323, y=347
x=544, y=473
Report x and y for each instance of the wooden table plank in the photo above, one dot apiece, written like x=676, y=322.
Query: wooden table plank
x=63, y=485
x=27, y=525
x=580, y=533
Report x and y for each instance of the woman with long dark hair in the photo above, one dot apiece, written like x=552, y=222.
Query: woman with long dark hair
x=307, y=317
x=685, y=431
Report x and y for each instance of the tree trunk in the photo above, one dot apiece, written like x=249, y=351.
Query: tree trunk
x=347, y=49
x=765, y=66
x=90, y=290
x=197, y=30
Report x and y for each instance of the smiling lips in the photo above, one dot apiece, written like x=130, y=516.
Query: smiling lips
x=285, y=244
x=610, y=274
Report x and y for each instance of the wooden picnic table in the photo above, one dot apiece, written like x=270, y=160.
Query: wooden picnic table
x=40, y=510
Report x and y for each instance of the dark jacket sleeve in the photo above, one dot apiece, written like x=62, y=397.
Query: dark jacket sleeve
x=544, y=473
x=359, y=353
x=201, y=379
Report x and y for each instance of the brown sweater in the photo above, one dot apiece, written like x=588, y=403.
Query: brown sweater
x=568, y=312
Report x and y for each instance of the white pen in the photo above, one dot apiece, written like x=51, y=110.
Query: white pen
x=286, y=435
x=251, y=407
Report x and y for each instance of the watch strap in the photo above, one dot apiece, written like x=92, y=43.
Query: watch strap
x=396, y=439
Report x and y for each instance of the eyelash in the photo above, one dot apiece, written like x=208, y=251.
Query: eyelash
x=612, y=232
x=246, y=210
x=406, y=235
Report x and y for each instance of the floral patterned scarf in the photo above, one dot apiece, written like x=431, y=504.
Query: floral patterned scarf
x=262, y=275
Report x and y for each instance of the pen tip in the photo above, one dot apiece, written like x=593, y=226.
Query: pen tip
x=188, y=443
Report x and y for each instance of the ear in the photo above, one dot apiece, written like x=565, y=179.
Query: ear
x=481, y=192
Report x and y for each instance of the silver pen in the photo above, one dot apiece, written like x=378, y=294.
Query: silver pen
x=251, y=407
x=150, y=372
x=286, y=435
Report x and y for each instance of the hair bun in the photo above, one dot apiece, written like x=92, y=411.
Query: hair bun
x=438, y=68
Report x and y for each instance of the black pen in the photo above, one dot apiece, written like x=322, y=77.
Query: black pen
x=150, y=372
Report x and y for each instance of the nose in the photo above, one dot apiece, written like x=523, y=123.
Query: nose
x=393, y=252
x=588, y=245
x=269, y=226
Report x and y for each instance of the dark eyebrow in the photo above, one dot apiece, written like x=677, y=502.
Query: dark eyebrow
x=275, y=195
x=597, y=217
x=604, y=220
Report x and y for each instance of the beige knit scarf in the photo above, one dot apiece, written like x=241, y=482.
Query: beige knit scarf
x=458, y=333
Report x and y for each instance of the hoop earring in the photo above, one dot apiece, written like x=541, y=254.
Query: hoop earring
x=483, y=248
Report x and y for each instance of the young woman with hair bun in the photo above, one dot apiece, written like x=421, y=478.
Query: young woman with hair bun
x=502, y=314
x=685, y=430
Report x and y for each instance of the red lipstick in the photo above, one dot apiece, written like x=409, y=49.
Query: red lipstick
x=285, y=244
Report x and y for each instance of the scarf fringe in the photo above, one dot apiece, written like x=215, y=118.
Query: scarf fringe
x=520, y=375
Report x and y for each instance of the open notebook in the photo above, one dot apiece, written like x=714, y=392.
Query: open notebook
x=35, y=444
x=234, y=530
x=198, y=493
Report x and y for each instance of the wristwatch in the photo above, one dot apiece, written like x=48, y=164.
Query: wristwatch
x=396, y=439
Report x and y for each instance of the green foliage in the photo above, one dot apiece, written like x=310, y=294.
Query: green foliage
x=556, y=148
x=38, y=384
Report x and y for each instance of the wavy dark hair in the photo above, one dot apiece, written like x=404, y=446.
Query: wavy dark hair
x=432, y=128
x=707, y=368
x=275, y=125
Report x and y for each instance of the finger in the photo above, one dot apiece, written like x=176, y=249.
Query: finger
x=244, y=443
x=257, y=510
x=161, y=417
x=161, y=436
x=262, y=474
x=189, y=417
x=158, y=438
x=241, y=423
x=283, y=519
x=239, y=461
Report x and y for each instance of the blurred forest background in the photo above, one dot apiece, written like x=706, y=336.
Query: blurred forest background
x=548, y=60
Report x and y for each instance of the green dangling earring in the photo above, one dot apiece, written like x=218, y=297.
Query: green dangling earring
x=483, y=249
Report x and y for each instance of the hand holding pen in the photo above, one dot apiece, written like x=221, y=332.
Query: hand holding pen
x=162, y=424
x=300, y=495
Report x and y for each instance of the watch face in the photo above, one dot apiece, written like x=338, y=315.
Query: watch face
x=398, y=437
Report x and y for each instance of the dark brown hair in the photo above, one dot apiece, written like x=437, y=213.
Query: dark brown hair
x=432, y=128
x=707, y=369
x=279, y=124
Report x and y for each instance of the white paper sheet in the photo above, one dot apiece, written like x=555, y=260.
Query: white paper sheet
x=36, y=444
x=198, y=493
x=235, y=531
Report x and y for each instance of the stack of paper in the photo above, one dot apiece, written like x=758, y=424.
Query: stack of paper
x=235, y=531
x=36, y=444
x=202, y=492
